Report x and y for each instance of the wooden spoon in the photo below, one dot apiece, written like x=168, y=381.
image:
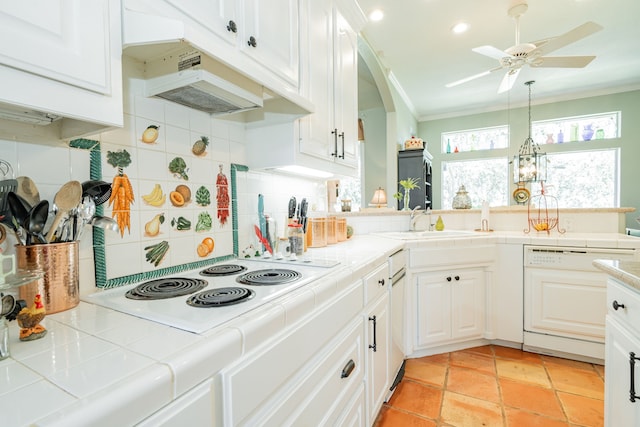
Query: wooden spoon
x=27, y=190
x=68, y=197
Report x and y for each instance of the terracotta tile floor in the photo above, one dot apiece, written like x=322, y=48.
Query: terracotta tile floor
x=496, y=386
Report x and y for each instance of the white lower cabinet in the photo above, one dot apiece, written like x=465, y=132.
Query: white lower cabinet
x=622, y=348
x=191, y=409
x=450, y=306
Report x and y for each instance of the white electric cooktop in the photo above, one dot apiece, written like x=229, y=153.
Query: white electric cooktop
x=193, y=316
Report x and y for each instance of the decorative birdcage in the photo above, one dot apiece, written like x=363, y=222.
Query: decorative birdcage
x=543, y=213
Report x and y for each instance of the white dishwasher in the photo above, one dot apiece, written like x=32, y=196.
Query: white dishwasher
x=565, y=300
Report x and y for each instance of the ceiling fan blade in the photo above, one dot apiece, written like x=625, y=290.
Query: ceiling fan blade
x=508, y=80
x=562, y=61
x=475, y=76
x=491, y=52
x=571, y=36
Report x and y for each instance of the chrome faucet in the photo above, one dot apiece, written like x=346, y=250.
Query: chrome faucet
x=413, y=218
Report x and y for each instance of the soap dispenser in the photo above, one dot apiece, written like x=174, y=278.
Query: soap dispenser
x=439, y=224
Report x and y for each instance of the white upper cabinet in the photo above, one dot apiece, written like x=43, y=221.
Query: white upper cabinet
x=330, y=82
x=63, y=58
x=258, y=38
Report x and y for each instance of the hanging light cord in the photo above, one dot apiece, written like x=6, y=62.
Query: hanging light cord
x=529, y=146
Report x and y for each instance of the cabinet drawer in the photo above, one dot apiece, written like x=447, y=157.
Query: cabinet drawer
x=376, y=283
x=322, y=396
x=622, y=295
x=252, y=381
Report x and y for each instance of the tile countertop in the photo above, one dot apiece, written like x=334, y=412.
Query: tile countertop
x=627, y=272
x=97, y=366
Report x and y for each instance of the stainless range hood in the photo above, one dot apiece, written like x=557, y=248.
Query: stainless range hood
x=193, y=79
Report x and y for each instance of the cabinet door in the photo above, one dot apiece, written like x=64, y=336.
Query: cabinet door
x=271, y=37
x=377, y=355
x=315, y=129
x=346, y=90
x=451, y=306
x=64, y=41
x=618, y=409
x=434, y=308
x=220, y=17
x=468, y=304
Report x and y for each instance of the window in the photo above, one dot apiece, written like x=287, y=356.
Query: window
x=578, y=128
x=582, y=179
x=475, y=139
x=485, y=179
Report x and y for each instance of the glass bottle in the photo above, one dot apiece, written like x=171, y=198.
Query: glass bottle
x=296, y=236
x=448, y=146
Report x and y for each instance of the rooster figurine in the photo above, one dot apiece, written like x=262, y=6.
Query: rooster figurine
x=29, y=319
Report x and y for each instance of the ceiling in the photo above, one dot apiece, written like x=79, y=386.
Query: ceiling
x=415, y=43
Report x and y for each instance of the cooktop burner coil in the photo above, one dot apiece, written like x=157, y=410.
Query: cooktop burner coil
x=273, y=276
x=223, y=270
x=166, y=288
x=220, y=297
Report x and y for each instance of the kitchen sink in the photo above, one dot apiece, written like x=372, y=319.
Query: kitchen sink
x=422, y=235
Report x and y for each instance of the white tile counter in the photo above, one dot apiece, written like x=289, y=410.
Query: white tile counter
x=99, y=367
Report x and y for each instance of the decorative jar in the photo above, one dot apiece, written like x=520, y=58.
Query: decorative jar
x=462, y=199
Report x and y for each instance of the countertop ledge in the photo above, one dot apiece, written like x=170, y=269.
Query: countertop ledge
x=628, y=272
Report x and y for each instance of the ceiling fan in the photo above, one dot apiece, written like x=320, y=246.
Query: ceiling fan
x=515, y=57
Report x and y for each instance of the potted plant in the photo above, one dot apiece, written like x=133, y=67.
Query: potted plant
x=407, y=185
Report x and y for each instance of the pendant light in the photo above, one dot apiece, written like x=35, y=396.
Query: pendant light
x=530, y=164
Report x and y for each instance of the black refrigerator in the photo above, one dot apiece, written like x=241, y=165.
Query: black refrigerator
x=414, y=164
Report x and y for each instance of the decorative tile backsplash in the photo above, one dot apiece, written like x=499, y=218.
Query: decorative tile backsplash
x=179, y=127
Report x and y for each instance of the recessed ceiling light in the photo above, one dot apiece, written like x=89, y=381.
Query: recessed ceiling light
x=376, y=15
x=460, y=27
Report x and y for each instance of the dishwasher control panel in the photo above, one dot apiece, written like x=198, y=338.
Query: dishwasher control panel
x=572, y=258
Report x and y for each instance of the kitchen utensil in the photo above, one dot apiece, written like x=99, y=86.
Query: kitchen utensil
x=262, y=239
x=19, y=210
x=27, y=190
x=37, y=219
x=67, y=198
x=6, y=186
x=99, y=191
x=105, y=223
x=304, y=205
x=292, y=207
x=261, y=218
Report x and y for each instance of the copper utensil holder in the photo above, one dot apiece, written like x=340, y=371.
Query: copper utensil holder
x=59, y=287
